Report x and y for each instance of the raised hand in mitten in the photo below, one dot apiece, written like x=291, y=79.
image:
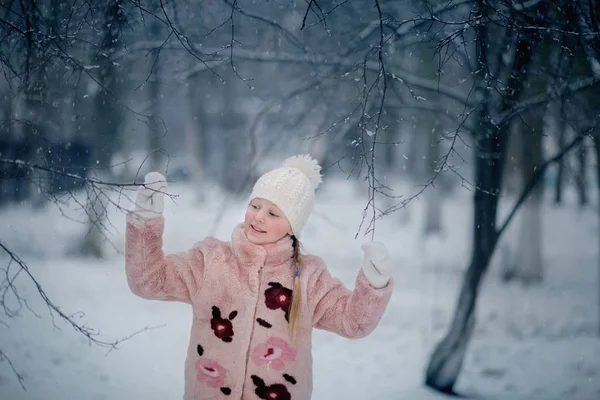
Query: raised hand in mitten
x=376, y=264
x=149, y=202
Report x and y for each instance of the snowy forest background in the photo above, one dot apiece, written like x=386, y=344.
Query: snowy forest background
x=416, y=108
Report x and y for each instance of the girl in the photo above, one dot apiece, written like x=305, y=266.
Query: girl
x=255, y=299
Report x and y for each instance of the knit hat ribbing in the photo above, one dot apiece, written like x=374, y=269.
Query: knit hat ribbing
x=291, y=188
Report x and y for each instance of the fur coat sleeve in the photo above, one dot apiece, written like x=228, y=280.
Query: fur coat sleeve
x=349, y=313
x=153, y=275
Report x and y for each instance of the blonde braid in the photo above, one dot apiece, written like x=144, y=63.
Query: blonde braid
x=294, y=316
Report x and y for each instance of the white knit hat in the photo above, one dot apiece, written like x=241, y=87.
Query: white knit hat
x=291, y=188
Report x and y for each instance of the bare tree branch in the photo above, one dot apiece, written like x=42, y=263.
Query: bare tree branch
x=283, y=31
x=543, y=99
x=533, y=181
x=8, y=287
x=381, y=84
x=4, y=357
x=332, y=60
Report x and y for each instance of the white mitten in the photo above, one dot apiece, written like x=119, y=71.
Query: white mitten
x=376, y=264
x=150, y=202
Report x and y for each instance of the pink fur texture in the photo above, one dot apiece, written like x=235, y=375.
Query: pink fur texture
x=240, y=345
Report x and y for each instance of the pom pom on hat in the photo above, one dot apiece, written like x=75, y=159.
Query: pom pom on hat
x=308, y=166
x=291, y=188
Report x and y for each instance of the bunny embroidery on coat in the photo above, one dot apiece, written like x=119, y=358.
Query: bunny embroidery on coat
x=240, y=345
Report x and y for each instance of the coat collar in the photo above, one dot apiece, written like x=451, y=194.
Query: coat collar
x=268, y=255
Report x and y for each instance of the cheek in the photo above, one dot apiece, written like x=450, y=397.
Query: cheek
x=280, y=227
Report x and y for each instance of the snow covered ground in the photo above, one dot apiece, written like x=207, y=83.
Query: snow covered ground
x=530, y=343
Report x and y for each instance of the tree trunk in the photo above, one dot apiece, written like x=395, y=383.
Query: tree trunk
x=528, y=267
x=8, y=187
x=107, y=114
x=560, y=168
x=106, y=122
x=529, y=262
x=200, y=115
x=447, y=358
x=34, y=84
x=490, y=147
x=581, y=180
x=93, y=242
x=513, y=181
x=523, y=261
x=555, y=115
x=596, y=138
x=156, y=128
x=419, y=161
x=194, y=136
x=433, y=196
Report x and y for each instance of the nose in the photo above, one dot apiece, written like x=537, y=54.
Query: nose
x=260, y=217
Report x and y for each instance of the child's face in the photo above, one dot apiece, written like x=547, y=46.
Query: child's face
x=264, y=222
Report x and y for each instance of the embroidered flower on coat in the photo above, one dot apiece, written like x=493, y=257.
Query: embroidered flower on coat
x=278, y=296
x=222, y=327
x=275, y=353
x=276, y=391
x=210, y=372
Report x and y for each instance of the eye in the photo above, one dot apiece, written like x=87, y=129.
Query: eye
x=254, y=206
x=273, y=214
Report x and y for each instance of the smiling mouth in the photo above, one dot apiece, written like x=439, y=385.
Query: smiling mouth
x=255, y=229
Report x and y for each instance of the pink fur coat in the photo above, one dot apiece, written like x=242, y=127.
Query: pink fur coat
x=240, y=345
